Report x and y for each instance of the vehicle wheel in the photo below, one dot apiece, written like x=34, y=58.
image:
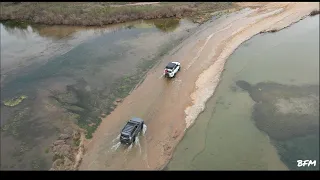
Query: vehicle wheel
x=134, y=139
x=141, y=130
x=179, y=68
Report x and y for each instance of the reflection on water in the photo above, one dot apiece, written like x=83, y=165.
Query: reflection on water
x=166, y=25
x=23, y=44
x=60, y=31
x=265, y=112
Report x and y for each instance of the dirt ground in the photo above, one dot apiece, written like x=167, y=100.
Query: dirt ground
x=168, y=107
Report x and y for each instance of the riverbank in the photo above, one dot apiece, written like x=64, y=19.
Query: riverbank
x=103, y=13
x=209, y=46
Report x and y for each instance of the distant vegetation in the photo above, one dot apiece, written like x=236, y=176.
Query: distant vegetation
x=103, y=13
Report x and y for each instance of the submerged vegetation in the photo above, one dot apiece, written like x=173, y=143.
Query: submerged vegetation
x=15, y=124
x=290, y=117
x=102, y=13
x=14, y=101
x=80, y=107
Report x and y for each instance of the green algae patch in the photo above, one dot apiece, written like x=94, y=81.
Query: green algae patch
x=14, y=101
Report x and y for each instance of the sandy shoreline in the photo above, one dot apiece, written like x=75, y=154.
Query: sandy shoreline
x=165, y=106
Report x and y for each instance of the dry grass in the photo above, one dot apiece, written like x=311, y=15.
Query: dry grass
x=101, y=13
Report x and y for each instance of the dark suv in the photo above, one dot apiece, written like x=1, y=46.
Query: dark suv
x=131, y=130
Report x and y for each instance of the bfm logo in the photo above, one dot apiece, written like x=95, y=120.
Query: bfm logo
x=302, y=163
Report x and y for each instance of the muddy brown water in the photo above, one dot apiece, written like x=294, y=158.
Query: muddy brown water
x=264, y=114
x=39, y=61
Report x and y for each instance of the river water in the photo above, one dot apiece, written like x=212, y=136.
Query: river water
x=264, y=114
x=71, y=74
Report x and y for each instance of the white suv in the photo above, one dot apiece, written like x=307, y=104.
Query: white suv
x=171, y=69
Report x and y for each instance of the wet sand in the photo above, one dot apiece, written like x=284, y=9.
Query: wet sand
x=166, y=105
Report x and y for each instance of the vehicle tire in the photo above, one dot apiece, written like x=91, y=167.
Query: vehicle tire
x=134, y=139
x=141, y=130
x=179, y=68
